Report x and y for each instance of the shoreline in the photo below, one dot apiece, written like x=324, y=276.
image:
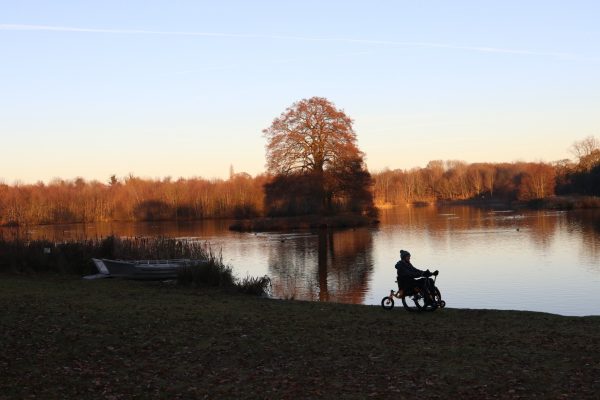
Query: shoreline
x=559, y=202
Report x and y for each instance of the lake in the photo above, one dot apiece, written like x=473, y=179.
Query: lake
x=513, y=259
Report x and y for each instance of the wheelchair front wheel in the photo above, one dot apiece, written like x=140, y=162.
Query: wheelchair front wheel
x=436, y=298
x=387, y=303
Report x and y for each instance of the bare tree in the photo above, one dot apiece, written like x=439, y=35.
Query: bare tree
x=585, y=147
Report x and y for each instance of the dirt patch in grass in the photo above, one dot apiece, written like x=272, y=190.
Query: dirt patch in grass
x=66, y=338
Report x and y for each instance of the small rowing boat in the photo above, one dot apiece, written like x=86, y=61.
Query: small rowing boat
x=141, y=269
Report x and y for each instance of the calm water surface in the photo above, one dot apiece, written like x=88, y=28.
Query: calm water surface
x=521, y=260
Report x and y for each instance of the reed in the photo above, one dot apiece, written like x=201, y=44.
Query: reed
x=211, y=272
x=257, y=286
x=74, y=256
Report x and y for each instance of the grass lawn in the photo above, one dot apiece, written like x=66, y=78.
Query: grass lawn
x=66, y=338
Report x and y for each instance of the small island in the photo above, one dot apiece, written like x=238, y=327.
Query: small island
x=318, y=178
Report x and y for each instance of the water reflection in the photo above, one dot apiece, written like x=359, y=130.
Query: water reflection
x=586, y=223
x=483, y=234
x=326, y=266
x=515, y=259
x=511, y=259
x=102, y=229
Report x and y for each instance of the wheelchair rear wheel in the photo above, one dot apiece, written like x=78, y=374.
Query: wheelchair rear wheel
x=413, y=302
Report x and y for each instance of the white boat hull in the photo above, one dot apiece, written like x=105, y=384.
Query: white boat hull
x=142, y=269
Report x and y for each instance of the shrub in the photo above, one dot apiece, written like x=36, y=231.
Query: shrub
x=258, y=286
x=211, y=272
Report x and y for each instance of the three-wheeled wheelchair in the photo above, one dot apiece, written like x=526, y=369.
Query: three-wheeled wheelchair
x=415, y=298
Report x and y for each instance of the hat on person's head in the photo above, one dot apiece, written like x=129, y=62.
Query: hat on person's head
x=403, y=254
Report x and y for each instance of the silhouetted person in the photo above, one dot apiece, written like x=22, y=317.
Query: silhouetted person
x=410, y=277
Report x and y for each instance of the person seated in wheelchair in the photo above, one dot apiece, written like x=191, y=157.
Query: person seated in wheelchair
x=410, y=277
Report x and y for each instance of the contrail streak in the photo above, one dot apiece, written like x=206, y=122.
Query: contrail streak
x=480, y=49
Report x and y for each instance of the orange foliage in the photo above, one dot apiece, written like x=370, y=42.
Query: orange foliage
x=132, y=199
x=537, y=181
x=243, y=196
x=457, y=180
x=310, y=136
x=316, y=164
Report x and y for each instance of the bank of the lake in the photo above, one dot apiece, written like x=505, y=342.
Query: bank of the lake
x=570, y=202
x=70, y=339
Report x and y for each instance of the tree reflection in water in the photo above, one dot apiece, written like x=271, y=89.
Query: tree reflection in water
x=588, y=223
x=326, y=266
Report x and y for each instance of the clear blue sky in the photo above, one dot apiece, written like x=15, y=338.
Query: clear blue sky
x=184, y=88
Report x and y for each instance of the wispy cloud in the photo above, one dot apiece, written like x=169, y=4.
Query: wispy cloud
x=480, y=49
x=20, y=27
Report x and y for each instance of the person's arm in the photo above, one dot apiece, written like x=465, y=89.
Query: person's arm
x=414, y=272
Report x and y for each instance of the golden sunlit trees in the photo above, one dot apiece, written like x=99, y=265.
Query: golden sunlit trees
x=131, y=199
x=312, y=145
x=537, y=181
x=310, y=136
x=457, y=180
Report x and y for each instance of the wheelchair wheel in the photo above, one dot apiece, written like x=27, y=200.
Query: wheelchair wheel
x=387, y=303
x=437, y=299
x=413, y=302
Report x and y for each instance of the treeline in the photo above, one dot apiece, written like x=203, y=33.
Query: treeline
x=525, y=181
x=243, y=196
x=457, y=180
x=131, y=199
x=582, y=178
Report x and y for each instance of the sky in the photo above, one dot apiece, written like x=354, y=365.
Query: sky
x=184, y=88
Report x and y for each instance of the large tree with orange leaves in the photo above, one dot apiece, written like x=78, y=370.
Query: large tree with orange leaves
x=310, y=136
x=314, y=141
